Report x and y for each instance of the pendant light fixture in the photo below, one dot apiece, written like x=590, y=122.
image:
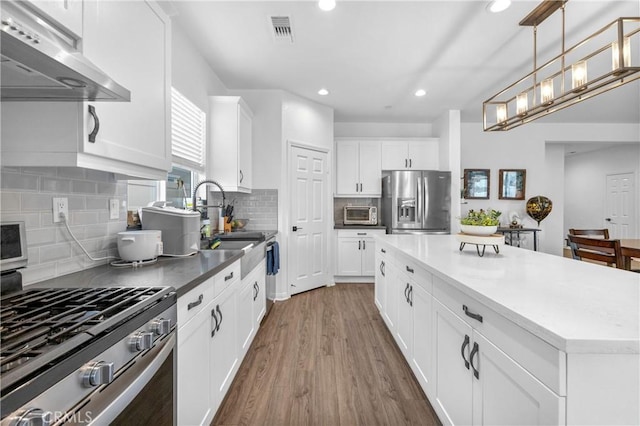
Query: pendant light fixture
x=594, y=65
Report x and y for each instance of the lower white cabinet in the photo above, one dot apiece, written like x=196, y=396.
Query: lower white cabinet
x=421, y=362
x=356, y=252
x=217, y=322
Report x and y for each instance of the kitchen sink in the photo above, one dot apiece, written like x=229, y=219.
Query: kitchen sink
x=254, y=252
x=231, y=245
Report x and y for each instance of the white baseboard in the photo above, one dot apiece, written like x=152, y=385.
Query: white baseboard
x=341, y=279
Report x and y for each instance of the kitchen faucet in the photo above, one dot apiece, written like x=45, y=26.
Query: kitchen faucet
x=195, y=192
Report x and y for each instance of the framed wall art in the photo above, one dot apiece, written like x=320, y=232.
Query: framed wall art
x=512, y=184
x=476, y=184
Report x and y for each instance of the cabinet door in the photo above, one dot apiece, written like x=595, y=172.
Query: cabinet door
x=349, y=256
x=422, y=338
x=391, y=306
x=452, y=397
x=368, y=257
x=224, y=346
x=66, y=13
x=506, y=394
x=394, y=155
x=260, y=298
x=136, y=131
x=404, y=330
x=347, y=163
x=244, y=149
x=193, y=370
x=245, y=324
x=370, y=169
x=423, y=155
x=380, y=282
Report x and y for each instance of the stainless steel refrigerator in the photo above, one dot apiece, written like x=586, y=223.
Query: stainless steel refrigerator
x=416, y=201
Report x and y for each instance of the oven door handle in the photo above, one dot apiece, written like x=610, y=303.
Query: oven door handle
x=123, y=397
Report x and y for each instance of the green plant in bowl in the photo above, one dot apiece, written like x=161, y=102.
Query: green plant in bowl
x=481, y=218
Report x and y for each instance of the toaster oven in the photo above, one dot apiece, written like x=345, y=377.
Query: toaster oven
x=360, y=215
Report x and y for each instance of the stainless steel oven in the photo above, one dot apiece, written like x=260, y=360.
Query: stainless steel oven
x=89, y=356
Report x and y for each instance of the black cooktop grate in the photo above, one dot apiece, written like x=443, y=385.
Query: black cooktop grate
x=39, y=321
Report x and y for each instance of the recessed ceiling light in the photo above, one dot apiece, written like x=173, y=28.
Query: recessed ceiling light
x=323, y=92
x=421, y=92
x=496, y=6
x=327, y=5
x=388, y=107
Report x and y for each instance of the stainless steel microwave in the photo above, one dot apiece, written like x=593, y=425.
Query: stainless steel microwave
x=360, y=215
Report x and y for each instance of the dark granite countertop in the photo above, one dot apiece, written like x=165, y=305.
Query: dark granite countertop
x=181, y=273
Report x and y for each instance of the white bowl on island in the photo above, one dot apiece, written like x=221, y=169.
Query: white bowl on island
x=478, y=230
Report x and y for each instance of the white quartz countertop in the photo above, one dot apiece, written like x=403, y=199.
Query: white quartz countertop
x=575, y=306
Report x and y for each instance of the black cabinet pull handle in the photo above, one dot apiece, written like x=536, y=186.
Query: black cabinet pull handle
x=464, y=345
x=228, y=277
x=241, y=176
x=382, y=268
x=255, y=287
x=474, y=351
x=383, y=250
x=409, y=270
x=364, y=245
x=215, y=327
x=360, y=187
x=194, y=304
x=410, y=295
x=96, y=125
x=356, y=186
x=468, y=313
x=362, y=233
x=220, y=312
x=406, y=293
x=410, y=163
x=359, y=245
x=405, y=163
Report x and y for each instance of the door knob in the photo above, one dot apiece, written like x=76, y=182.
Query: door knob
x=295, y=228
x=608, y=219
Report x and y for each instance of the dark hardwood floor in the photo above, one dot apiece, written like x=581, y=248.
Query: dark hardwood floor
x=325, y=357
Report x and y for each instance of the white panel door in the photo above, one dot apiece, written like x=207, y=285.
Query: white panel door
x=244, y=154
x=394, y=155
x=404, y=330
x=347, y=163
x=368, y=257
x=423, y=155
x=422, y=337
x=391, y=296
x=380, y=282
x=349, y=256
x=620, y=214
x=506, y=394
x=370, y=169
x=308, y=239
x=453, y=381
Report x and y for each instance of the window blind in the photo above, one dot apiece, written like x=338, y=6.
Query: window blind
x=187, y=132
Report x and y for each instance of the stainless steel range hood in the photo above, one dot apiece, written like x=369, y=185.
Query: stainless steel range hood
x=39, y=62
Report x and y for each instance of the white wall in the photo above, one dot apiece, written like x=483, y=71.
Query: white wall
x=585, y=184
x=407, y=130
x=554, y=176
x=524, y=147
x=447, y=129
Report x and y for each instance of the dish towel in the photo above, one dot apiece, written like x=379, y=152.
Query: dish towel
x=273, y=259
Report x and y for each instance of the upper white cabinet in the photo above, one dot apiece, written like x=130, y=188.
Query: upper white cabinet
x=358, y=168
x=131, y=139
x=229, y=148
x=67, y=14
x=413, y=154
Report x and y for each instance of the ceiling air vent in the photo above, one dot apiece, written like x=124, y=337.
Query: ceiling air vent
x=282, y=29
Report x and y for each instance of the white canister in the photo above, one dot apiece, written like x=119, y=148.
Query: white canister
x=135, y=246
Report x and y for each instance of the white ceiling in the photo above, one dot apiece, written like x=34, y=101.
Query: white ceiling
x=373, y=55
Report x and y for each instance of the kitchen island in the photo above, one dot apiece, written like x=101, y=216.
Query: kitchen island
x=512, y=337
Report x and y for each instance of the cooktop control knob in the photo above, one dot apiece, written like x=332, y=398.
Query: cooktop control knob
x=97, y=373
x=141, y=340
x=31, y=417
x=161, y=326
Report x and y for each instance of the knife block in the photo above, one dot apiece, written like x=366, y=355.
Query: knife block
x=227, y=226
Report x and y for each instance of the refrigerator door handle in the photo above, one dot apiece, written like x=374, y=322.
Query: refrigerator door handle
x=419, y=203
x=425, y=194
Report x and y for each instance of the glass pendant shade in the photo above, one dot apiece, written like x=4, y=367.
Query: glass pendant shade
x=522, y=104
x=615, y=54
x=579, y=75
x=501, y=113
x=546, y=91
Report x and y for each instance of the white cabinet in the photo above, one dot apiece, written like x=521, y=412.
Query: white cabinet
x=133, y=138
x=193, y=393
x=252, y=305
x=358, y=168
x=410, y=154
x=224, y=356
x=380, y=285
x=422, y=337
x=356, y=252
x=67, y=14
x=230, y=138
x=260, y=296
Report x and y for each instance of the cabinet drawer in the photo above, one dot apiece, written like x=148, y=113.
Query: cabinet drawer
x=194, y=301
x=359, y=233
x=417, y=273
x=225, y=278
x=542, y=360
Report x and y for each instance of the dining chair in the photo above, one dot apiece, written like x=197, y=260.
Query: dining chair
x=607, y=251
x=604, y=233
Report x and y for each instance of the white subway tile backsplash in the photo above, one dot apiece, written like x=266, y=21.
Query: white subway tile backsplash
x=260, y=207
x=27, y=194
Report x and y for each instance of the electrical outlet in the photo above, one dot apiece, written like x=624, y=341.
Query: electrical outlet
x=114, y=208
x=60, y=205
